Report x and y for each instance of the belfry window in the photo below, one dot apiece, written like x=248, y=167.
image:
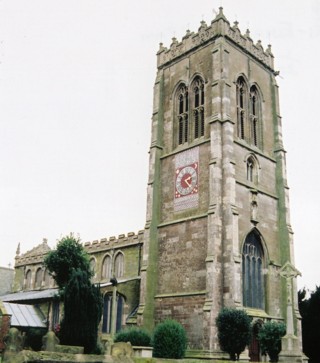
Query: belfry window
x=198, y=110
x=254, y=116
x=183, y=121
x=252, y=271
x=241, y=107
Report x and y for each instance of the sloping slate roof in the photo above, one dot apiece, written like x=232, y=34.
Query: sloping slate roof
x=30, y=295
x=25, y=315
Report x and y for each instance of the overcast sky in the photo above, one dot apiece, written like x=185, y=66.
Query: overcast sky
x=76, y=83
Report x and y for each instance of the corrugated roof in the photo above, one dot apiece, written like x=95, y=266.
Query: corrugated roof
x=30, y=295
x=25, y=315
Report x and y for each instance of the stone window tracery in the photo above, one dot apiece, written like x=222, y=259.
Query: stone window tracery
x=242, y=95
x=255, y=116
x=107, y=312
x=248, y=113
x=183, y=119
x=252, y=271
x=190, y=111
x=198, y=110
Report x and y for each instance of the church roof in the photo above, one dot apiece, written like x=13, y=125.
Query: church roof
x=30, y=295
x=25, y=315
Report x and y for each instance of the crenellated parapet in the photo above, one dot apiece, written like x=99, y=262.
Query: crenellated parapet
x=114, y=242
x=219, y=27
x=34, y=256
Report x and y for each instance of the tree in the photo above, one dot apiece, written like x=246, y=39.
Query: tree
x=69, y=266
x=269, y=337
x=68, y=256
x=82, y=312
x=233, y=331
x=310, y=313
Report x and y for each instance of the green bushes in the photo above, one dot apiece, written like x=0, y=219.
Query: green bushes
x=169, y=340
x=136, y=336
x=233, y=331
x=34, y=338
x=270, y=339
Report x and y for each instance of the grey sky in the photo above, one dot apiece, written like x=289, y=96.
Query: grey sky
x=76, y=83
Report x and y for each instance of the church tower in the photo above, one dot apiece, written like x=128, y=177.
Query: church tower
x=218, y=231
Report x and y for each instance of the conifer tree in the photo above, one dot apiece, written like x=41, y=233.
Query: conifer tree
x=69, y=266
x=82, y=312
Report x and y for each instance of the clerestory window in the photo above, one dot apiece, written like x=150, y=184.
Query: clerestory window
x=119, y=265
x=38, y=279
x=106, y=268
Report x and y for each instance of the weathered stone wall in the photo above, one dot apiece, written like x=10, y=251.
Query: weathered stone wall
x=6, y=280
x=188, y=310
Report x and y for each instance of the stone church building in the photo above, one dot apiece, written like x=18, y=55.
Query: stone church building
x=217, y=230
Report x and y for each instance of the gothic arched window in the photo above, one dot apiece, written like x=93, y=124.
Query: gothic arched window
x=255, y=119
x=106, y=268
x=107, y=312
x=242, y=105
x=182, y=114
x=252, y=169
x=198, y=107
x=47, y=278
x=92, y=264
x=38, y=279
x=119, y=265
x=28, y=280
x=252, y=271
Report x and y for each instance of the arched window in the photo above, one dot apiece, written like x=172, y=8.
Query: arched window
x=255, y=120
x=242, y=105
x=252, y=169
x=28, y=280
x=252, y=271
x=92, y=263
x=182, y=114
x=106, y=268
x=38, y=279
x=47, y=278
x=198, y=107
x=107, y=312
x=119, y=265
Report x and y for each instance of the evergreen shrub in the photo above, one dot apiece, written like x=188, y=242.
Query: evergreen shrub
x=169, y=340
x=136, y=336
x=34, y=338
x=233, y=331
x=270, y=339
